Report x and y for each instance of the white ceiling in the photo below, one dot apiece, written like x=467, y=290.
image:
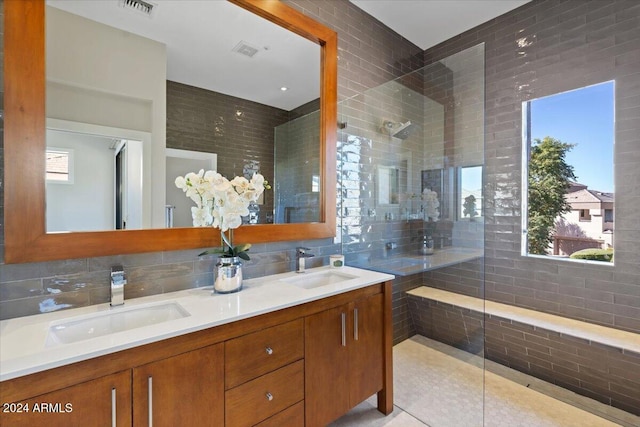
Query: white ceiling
x=426, y=23
x=200, y=36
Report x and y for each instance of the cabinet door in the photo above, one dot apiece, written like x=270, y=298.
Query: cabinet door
x=326, y=366
x=366, y=348
x=183, y=390
x=101, y=402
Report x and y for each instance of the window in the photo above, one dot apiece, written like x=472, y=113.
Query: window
x=59, y=165
x=608, y=215
x=568, y=141
x=585, y=215
x=470, y=191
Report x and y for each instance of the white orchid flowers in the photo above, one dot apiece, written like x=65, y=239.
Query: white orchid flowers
x=431, y=204
x=220, y=203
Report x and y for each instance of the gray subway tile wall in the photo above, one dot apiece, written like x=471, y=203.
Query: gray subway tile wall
x=238, y=130
x=542, y=48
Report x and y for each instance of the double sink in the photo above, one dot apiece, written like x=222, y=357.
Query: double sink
x=127, y=318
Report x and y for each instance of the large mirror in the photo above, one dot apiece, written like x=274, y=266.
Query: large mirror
x=168, y=111
x=236, y=86
x=568, y=213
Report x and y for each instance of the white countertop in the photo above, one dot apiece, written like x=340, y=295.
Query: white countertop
x=413, y=263
x=24, y=348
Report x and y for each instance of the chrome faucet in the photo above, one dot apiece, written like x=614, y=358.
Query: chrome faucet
x=301, y=254
x=118, y=280
x=388, y=247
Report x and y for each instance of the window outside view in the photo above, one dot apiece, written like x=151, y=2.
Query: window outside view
x=570, y=188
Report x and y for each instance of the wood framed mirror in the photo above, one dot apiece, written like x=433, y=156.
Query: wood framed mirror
x=26, y=238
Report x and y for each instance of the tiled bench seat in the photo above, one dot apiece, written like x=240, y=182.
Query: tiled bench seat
x=595, y=361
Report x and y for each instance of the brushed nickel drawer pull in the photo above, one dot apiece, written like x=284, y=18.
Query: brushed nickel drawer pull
x=150, y=395
x=113, y=407
x=355, y=324
x=344, y=329
x=269, y=396
x=269, y=350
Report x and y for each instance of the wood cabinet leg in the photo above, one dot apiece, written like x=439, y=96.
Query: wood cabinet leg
x=385, y=396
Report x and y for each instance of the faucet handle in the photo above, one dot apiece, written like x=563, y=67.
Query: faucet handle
x=117, y=275
x=301, y=250
x=118, y=280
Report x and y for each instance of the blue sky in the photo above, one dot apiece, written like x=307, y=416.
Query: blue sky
x=584, y=117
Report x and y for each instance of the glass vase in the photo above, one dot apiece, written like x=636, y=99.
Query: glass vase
x=227, y=275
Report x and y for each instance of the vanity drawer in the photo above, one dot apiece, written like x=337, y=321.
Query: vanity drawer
x=257, y=400
x=255, y=354
x=293, y=416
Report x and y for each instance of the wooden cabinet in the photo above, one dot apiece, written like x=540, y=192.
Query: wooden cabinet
x=264, y=375
x=97, y=403
x=304, y=365
x=344, y=358
x=187, y=389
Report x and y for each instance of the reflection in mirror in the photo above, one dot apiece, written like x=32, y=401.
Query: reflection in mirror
x=568, y=151
x=180, y=163
x=103, y=189
x=388, y=185
x=211, y=78
x=297, y=190
x=470, y=192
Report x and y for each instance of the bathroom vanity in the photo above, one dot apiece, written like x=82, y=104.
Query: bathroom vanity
x=288, y=350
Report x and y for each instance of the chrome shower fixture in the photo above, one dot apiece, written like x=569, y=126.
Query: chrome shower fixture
x=398, y=129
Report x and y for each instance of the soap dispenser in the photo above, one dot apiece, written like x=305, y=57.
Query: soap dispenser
x=427, y=245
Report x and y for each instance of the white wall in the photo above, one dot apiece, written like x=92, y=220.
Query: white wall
x=100, y=75
x=87, y=204
x=180, y=163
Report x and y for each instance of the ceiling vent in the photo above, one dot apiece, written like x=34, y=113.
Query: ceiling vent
x=140, y=6
x=245, y=49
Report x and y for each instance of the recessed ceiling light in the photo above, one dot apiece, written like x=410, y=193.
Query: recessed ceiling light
x=284, y=88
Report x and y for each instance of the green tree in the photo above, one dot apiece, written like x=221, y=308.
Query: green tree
x=549, y=179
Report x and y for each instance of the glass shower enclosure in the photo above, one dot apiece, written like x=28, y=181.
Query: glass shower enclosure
x=410, y=203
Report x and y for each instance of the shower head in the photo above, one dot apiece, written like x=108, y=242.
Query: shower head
x=404, y=130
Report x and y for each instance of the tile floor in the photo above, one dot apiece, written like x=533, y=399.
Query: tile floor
x=437, y=385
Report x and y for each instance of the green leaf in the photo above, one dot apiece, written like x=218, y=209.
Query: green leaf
x=242, y=248
x=244, y=256
x=214, y=251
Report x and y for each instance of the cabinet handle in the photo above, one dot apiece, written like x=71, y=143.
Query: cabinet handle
x=150, y=410
x=269, y=396
x=344, y=329
x=355, y=324
x=269, y=350
x=113, y=407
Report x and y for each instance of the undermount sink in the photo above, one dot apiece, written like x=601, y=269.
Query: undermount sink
x=316, y=280
x=119, y=319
